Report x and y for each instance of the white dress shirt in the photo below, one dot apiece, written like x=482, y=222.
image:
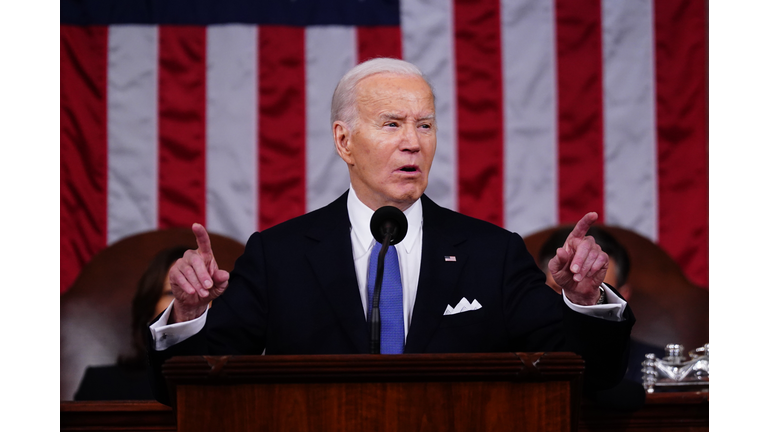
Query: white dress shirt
x=408, y=251
x=409, y=257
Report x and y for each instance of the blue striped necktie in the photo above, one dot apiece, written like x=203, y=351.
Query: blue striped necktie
x=390, y=302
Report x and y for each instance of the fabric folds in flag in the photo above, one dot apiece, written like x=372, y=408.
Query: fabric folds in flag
x=175, y=112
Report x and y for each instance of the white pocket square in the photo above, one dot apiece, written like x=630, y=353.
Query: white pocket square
x=463, y=306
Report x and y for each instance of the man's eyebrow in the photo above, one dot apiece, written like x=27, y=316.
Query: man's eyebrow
x=400, y=116
x=391, y=115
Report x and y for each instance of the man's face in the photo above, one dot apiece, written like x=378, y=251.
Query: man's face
x=389, y=151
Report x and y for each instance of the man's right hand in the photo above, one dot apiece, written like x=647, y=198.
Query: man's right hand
x=196, y=279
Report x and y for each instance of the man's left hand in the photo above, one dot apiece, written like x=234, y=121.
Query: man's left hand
x=579, y=267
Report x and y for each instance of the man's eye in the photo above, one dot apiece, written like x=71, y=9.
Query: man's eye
x=391, y=124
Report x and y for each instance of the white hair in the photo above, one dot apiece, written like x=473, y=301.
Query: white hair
x=343, y=104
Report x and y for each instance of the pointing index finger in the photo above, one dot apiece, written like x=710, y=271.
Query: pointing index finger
x=203, y=242
x=581, y=228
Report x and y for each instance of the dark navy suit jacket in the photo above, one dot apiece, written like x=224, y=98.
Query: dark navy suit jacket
x=295, y=291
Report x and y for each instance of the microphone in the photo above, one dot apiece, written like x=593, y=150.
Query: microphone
x=391, y=220
x=388, y=226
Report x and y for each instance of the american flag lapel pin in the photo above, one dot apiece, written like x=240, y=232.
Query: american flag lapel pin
x=450, y=258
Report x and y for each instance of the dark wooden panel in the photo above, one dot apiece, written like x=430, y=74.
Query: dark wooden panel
x=663, y=412
x=390, y=407
x=373, y=368
x=116, y=416
x=409, y=392
x=668, y=412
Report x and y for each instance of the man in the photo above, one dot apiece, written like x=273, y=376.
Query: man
x=301, y=286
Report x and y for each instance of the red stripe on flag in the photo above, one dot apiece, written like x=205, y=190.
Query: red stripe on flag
x=380, y=41
x=181, y=126
x=580, y=109
x=282, y=124
x=83, y=161
x=682, y=122
x=480, y=109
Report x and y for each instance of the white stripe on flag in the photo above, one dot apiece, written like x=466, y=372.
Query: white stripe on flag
x=530, y=115
x=231, y=130
x=330, y=51
x=629, y=116
x=427, y=31
x=132, y=74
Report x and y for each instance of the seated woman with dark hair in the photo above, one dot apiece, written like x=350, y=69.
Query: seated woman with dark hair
x=128, y=379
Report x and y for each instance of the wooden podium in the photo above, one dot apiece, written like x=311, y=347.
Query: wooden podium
x=409, y=392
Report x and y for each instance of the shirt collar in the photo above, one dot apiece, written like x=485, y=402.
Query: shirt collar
x=360, y=218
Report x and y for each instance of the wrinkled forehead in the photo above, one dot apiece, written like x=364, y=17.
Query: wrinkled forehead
x=396, y=93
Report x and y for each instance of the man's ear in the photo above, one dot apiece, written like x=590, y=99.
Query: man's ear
x=341, y=138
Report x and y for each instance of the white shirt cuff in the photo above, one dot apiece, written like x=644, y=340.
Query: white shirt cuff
x=611, y=310
x=166, y=335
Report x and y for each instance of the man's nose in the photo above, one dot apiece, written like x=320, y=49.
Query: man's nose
x=410, y=139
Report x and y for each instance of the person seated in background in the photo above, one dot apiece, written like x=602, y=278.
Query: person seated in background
x=128, y=379
x=629, y=394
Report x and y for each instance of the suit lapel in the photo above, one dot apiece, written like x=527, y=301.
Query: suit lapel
x=438, y=277
x=333, y=265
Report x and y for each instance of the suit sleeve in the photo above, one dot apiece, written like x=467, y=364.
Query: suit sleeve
x=539, y=320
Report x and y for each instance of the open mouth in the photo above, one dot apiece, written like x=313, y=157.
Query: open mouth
x=408, y=168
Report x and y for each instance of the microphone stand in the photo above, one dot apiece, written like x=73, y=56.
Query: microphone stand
x=375, y=319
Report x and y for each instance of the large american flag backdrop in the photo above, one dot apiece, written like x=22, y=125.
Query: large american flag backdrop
x=181, y=111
